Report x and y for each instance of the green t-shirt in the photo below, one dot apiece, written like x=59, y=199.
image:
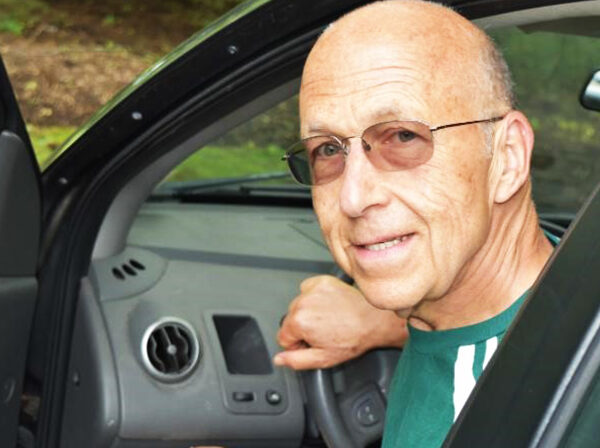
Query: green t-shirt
x=436, y=374
x=424, y=398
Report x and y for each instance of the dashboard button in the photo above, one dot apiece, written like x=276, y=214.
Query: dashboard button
x=243, y=396
x=273, y=397
x=367, y=413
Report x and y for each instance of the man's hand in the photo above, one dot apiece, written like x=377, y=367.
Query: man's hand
x=331, y=322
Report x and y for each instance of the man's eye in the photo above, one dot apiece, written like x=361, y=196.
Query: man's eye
x=327, y=150
x=405, y=136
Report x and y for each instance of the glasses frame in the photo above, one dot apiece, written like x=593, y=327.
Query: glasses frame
x=289, y=153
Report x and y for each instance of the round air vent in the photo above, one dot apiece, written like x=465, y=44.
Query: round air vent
x=170, y=349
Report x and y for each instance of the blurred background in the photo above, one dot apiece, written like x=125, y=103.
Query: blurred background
x=66, y=58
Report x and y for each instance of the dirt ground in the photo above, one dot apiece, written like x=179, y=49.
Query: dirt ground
x=72, y=56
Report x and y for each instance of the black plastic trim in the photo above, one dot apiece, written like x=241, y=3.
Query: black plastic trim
x=10, y=115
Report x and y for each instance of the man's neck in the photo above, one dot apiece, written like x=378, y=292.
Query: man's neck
x=501, y=271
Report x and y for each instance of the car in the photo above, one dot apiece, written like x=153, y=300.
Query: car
x=139, y=305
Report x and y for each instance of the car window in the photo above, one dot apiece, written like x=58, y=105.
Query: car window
x=549, y=70
x=583, y=431
x=253, y=148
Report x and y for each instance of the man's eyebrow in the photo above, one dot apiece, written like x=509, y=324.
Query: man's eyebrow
x=318, y=129
x=385, y=113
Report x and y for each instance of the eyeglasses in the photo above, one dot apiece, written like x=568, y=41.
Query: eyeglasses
x=389, y=146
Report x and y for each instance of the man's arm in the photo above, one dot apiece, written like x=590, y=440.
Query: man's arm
x=331, y=322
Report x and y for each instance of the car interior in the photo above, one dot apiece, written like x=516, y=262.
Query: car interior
x=177, y=318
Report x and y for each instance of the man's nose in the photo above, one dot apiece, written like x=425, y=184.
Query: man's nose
x=360, y=189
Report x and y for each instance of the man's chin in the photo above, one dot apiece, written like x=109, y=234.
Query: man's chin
x=387, y=297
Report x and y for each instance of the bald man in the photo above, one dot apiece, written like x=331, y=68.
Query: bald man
x=419, y=167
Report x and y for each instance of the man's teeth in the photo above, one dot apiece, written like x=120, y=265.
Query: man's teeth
x=386, y=244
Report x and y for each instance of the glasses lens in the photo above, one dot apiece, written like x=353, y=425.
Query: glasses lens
x=298, y=163
x=399, y=145
x=316, y=160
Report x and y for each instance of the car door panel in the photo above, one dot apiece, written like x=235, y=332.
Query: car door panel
x=20, y=217
x=17, y=301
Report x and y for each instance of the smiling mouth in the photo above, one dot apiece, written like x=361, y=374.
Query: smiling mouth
x=387, y=244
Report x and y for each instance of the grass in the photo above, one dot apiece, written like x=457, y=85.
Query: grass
x=218, y=161
x=209, y=162
x=20, y=15
x=46, y=139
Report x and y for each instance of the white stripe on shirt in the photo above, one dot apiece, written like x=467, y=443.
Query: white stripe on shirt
x=464, y=380
x=490, y=347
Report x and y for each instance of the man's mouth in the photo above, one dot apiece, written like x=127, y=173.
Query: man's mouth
x=383, y=245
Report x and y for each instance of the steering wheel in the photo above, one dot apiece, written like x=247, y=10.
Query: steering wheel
x=348, y=401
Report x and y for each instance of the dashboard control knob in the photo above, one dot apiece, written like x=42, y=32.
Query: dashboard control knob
x=273, y=397
x=367, y=413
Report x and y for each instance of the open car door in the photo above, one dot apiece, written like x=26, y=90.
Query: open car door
x=20, y=225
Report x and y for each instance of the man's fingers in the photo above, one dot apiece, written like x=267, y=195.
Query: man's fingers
x=290, y=333
x=286, y=336
x=303, y=359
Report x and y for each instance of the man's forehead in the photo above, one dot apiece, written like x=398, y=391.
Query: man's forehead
x=321, y=119
x=344, y=82
x=374, y=57
x=374, y=87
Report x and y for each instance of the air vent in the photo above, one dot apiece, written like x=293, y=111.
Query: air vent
x=136, y=264
x=170, y=349
x=131, y=269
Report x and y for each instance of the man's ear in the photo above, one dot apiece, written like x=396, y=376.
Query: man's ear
x=514, y=142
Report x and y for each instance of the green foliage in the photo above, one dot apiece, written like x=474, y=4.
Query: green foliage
x=277, y=126
x=229, y=161
x=109, y=20
x=17, y=16
x=251, y=148
x=11, y=25
x=46, y=139
x=549, y=70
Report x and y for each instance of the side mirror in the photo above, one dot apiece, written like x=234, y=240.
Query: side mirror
x=590, y=95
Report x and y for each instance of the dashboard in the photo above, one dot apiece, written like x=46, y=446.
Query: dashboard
x=174, y=335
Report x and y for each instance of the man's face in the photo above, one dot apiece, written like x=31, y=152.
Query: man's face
x=404, y=236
